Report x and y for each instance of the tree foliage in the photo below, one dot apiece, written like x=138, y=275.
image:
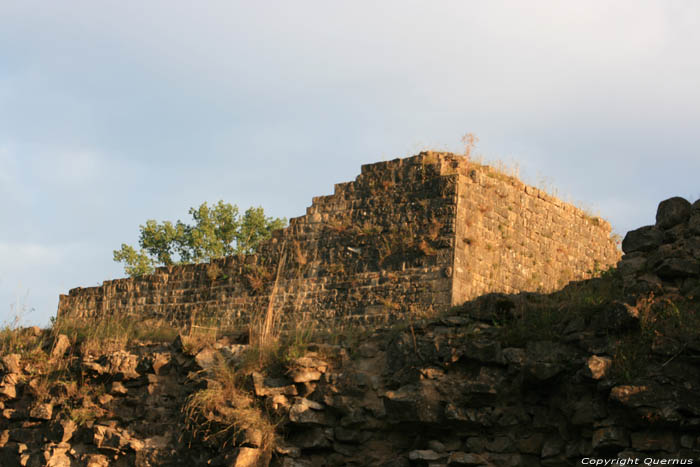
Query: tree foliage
x=217, y=231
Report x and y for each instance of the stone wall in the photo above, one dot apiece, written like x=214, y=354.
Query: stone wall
x=421, y=233
x=512, y=237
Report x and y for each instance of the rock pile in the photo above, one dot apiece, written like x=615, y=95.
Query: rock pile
x=453, y=391
x=119, y=408
x=665, y=257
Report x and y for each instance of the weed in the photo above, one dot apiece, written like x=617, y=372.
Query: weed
x=429, y=158
x=336, y=269
x=265, y=329
x=402, y=246
x=543, y=317
x=546, y=185
x=370, y=230
x=387, y=184
x=434, y=229
x=536, y=323
x=337, y=226
x=256, y=277
x=83, y=415
x=21, y=341
x=390, y=304
x=498, y=174
x=15, y=339
x=213, y=272
x=299, y=338
x=300, y=256
x=425, y=248
x=198, y=338
x=469, y=140
x=223, y=414
x=114, y=332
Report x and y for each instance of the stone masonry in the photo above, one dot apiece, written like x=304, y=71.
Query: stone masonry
x=407, y=236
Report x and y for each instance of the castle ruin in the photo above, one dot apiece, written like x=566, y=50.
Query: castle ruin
x=407, y=236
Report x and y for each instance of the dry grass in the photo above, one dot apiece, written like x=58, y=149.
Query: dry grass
x=469, y=140
x=213, y=272
x=21, y=341
x=83, y=415
x=300, y=256
x=256, y=277
x=16, y=339
x=114, y=332
x=425, y=248
x=429, y=158
x=337, y=226
x=389, y=304
x=673, y=323
x=544, y=316
x=225, y=415
x=264, y=329
x=47, y=377
x=434, y=228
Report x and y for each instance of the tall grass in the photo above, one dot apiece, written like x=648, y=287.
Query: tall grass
x=113, y=332
x=265, y=328
x=223, y=414
x=667, y=327
x=15, y=339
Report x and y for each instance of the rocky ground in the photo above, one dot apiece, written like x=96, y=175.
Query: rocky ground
x=603, y=369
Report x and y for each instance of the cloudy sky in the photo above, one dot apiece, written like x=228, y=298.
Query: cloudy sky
x=114, y=112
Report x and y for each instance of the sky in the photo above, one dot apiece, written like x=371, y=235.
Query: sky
x=115, y=112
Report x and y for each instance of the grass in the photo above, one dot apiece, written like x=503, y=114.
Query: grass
x=15, y=340
x=83, y=415
x=398, y=246
x=265, y=328
x=214, y=272
x=223, y=414
x=274, y=355
x=256, y=277
x=114, y=332
x=50, y=378
x=497, y=169
x=668, y=325
x=666, y=328
x=544, y=316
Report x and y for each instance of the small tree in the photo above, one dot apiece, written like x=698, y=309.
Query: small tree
x=217, y=231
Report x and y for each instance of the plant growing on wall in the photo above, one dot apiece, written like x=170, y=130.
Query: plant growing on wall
x=217, y=231
x=469, y=140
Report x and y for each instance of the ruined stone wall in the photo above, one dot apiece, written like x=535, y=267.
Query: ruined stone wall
x=422, y=233
x=511, y=237
x=377, y=248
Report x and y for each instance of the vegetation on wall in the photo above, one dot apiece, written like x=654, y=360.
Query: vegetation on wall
x=217, y=231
